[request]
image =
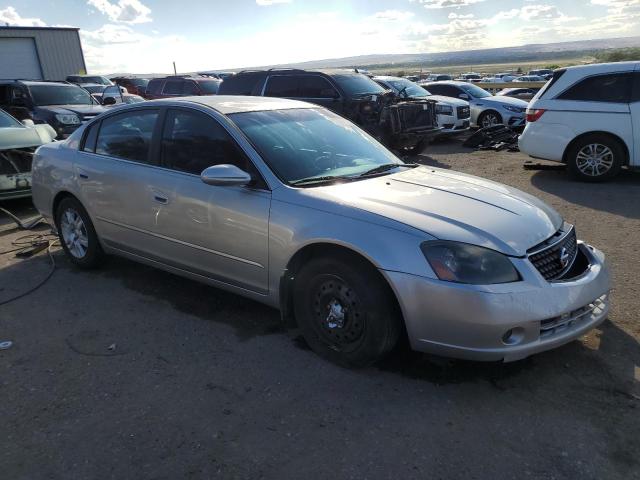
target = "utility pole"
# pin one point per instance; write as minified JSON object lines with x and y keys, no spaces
{"x":174,"y":68}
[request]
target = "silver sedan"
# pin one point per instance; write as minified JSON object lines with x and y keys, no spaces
{"x":291,"y":205}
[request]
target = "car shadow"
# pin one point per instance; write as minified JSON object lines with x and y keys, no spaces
{"x":606,"y":362}
{"x":618,"y":196}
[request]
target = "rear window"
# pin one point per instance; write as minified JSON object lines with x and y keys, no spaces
{"x":241,"y":84}
{"x":611,"y":88}
{"x":556,"y":76}
{"x":173,"y":87}
{"x":357,"y":84}
{"x":209,"y":87}
{"x":155,"y":87}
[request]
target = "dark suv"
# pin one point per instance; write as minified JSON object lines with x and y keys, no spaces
{"x":99,"y":79}
{"x":135,"y":86}
{"x":62,"y":105}
{"x":181,"y":86}
{"x":396,"y":122}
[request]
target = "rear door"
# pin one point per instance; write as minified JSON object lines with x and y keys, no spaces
{"x":115,"y":169}
{"x":598,"y":102}
{"x":634,"y":107}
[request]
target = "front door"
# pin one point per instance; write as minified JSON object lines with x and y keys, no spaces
{"x":220,"y":232}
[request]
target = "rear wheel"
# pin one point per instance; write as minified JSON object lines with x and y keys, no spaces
{"x":77,"y":234}
{"x":345,"y":311}
{"x":489,"y":118}
{"x":595,"y":158}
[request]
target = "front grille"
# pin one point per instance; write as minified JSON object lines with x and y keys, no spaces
{"x":555,"y":257}
{"x":464,"y":112}
{"x":559,"y":324}
{"x":407,"y":117}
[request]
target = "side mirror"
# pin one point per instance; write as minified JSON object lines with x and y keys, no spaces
{"x":27,"y":122}
{"x":109,"y":101}
{"x":463,"y":96}
{"x":225,"y":175}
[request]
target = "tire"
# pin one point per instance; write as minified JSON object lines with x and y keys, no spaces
{"x":77,"y":234}
{"x":345,"y":311}
{"x":419,"y":147}
{"x":595,"y":158}
{"x":490,"y":118}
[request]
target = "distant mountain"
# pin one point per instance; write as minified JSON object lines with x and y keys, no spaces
{"x":469,"y":57}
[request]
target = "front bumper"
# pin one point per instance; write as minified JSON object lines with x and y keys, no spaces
{"x":471,"y":322}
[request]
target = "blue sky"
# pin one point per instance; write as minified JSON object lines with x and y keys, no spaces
{"x":147,"y":35}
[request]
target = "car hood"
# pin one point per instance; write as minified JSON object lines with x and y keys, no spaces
{"x":26,"y":137}
{"x":452,"y":206}
{"x":77,"y":109}
{"x":456,"y":102}
{"x":502,"y":100}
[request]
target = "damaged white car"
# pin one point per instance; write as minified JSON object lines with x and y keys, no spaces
{"x":18,"y":141}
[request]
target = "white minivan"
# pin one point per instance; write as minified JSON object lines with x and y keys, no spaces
{"x":589,"y":118}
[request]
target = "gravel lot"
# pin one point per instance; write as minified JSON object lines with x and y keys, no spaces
{"x":203,"y":384}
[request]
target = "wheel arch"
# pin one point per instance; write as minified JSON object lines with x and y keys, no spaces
{"x":315,"y":250}
{"x":615,"y":137}
{"x":61,"y":195}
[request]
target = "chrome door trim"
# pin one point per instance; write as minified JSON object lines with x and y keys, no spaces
{"x":186,"y":244}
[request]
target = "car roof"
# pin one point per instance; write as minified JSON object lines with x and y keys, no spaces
{"x":604,"y":66}
{"x":37,"y":82}
{"x":228,"y":104}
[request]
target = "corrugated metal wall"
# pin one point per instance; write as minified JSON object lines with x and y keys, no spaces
{"x":59,"y":50}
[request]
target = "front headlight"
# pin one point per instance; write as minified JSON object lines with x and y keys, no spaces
{"x":514,"y":109}
{"x":465,"y":263}
{"x":68,"y":118}
{"x":444,"y":109}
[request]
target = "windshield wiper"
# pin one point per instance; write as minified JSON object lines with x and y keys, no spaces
{"x":322,"y":179}
{"x":387,"y":166}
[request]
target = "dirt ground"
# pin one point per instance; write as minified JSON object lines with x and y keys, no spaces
{"x":202,"y":384}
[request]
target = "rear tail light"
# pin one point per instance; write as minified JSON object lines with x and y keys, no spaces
{"x":533,"y":114}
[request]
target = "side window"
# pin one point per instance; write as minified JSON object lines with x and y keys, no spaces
{"x":282,"y":86}
{"x":314,"y":86}
{"x":190,"y":88}
{"x":173,"y":87}
{"x":4,"y":95}
{"x":635,"y":94}
{"x":90,"y":138}
{"x":155,"y":87}
{"x":128,"y":135}
{"x":436,"y":89}
{"x":612,"y":88}
{"x":193,"y":141}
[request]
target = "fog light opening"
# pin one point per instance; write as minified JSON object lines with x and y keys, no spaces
{"x":513,"y":336}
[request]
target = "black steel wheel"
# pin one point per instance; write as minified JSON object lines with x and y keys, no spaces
{"x":346,"y":311}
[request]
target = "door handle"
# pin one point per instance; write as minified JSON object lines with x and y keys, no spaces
{"x":160,"y":199}
{"x":82,"y":174}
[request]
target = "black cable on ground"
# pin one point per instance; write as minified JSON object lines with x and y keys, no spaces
{"x":28,"y":245}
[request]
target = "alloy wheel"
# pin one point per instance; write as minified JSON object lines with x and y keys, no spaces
{"x":489,"y":120}
{"x":74,"y":233}
{"x":594,"y":159}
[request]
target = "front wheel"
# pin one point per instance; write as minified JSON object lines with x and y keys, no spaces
{"x":595,"y":158}
{"x":345,"y":311}
{"x":489,"y":118}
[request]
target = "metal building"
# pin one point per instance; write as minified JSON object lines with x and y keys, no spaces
{"x":40,"y":53}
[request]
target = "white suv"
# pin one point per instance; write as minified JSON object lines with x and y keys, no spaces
{"x":589,"y":118}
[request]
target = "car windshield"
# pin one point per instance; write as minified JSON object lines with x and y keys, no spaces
{"x":139,"y":82}
{"x":100,"y":80}
{"x":93,"y":88}
{"x":410,"y":88}
{"x":59,"y":95}
{"x":475,"y":91}
{"x":355,"y":84}
{"x":300,"y":144}
{"x":7,"y":121}
{"x":132,"y":99}
{"x":210,"y":86}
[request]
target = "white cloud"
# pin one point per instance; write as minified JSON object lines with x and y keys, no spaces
{"x":125,"y":11}
{"x":266,"y":3}
{"x":393,"y":15}
{"x":10,"y":16}
{"x":448,"y":3}
{"x":453,"y":15}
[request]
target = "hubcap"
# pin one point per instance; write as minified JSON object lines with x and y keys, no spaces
{"x":489,"y":120}
{"x":74,"y":233}
{"x":594,"y":159}
{"x":339,"y":320}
